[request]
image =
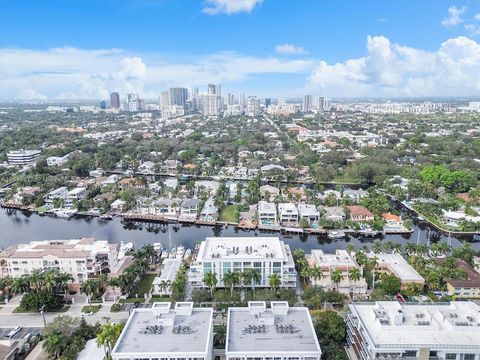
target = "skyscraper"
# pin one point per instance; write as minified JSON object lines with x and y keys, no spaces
{"x":132,"y":102}
{"x":115,"y":100}
{"x":268,"y":102}
{"x":253,"y":106}
{"x":214,"y":89}
{"x":307,"y":103}
{"x":178,"y":96}
{"x":165,"y":101}
{"x":230,"y":99}
{"x":103,"y":104}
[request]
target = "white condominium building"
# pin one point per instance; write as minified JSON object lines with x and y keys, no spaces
{"x":276,"y":333}
{"x":160,"y":332}
{"x":81,"y":258}
{"x":221,"y":255}
{"x":23,"y":157}
{"x":390,"y":330}
{"x":267,"y":213}
{"x":342,"y":261}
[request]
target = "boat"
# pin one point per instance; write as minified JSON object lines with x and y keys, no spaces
{"x":173,"y":253}
{"x":368,"y":232}
{"x":157,"y":246}
{"x":336,"y":234}
{"x":180,"y":251}
{"x":64,"y":213}
{"x":187,"y":254}
{"x":106,"y":217}
{"x":420,"y":218}
{"x":124,"y":249}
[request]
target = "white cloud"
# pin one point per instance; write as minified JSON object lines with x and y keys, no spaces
{"x":454,"y":16}
{"x":477,"y":16}
{"x":472,"y":29}
{"x":289,"y":49}
{"x":70,"y":73}
{"x":394,"y":70}
{"x":214,"y":7}
{"x":29,"y":94}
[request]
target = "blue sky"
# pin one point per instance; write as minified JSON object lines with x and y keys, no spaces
{"x":85,"y":48}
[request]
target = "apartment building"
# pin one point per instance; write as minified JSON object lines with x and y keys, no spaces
{"x":395,"y":264}
{"x":82,"y":258}
{"x":23,"y":157}
{"x":390,"y":330}
{"x":276,"y":333}
{"x":342,"y":261}
{"x":221,"y":255}
{"x":468,"y":287}
{"x":163,"y":332}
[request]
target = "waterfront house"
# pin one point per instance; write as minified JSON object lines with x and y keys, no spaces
{"x":267,"y":213}
{"x":59,"y":194}
{"x":189,"y":208}
{"x":333,"y":213}
{"x":355,"y":195}
{"x":287,"y":214}
{"x":209,"y":211}
{"x":309,"y":212}
{"x":360,"y":213}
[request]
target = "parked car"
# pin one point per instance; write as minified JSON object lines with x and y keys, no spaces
{"x":13,"y":332}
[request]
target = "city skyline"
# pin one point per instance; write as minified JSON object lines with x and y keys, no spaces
{"x":257,"y":47}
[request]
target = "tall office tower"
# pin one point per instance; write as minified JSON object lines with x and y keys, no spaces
{"x":164,"y":101}
{"x":307,"y":103}
{"x":320,"y":105}
{"x":208,"y":104}
{"x":115,"y":100}
{"x":281,"y":101}
{"x":103,"y":104}
{"x":132,"y":102}
{"x":327,"y":105}
{"x":140,"y":104}
{"x":268,"y":102}
{"x":230,"y":99}
{"x":241,"y":102}
{"x":178,"y":96}
{"x":253,"y":106}
{"x":214,"y":89}
{"x":194,"y":92}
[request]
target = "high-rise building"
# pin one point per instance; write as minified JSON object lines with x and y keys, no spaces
{"x":230,"y":99}
{"x":253,"y":106}
{"x":209,"y":104}
{"x":164,"y":101}
{"x":178,"y":96}
{"x":214,"y":89}
{"x":307,"y":103}
{"x":268,"y":102}
{"x":115,"y":100}
{"x":132,"y":104}
{"x":140,"y":104}
{"x":241,"y":102}
{"x":103,"y":104}
{"x":322,"y":104}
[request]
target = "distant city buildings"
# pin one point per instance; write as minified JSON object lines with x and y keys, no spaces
{"x":115,"y":100}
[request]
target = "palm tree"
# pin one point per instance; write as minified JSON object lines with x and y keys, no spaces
{"x":305,"y":273}
{"x":108,"y":336}
{"x":274,"y":281}
{"x":210,"y":280}
{"x":350,"y":248}
{"x":253,"y":276}
{"x":354,"y":274}
{"x":316,"y":273}
{"x":230,"y":279}
{"x":377,"y":247}
{"x":19,"y":285}
{"x":89,"y":287}
{"x":372,"y":264}
{"x":220,"y":334}
{"x":49,"y":281}
{"x":336,"y":277}
{"x":165,"y":285}
{"x":54,"y":344}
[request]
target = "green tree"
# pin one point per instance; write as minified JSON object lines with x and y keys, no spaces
{"x":336,"y":277}
{"x":108,"y":336}
{"x":210,"y":280}
{"x":275,"y":282}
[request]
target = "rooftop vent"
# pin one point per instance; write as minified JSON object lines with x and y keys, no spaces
{"x":286,"y":329}
{"x":152,"y":330}
{"x":255,"y":329}
{"x":182,"y":330}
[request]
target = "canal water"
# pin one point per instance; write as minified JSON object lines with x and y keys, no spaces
{"x":21,"y":227}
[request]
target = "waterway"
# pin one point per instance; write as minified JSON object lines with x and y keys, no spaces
{"x":21,"y":227}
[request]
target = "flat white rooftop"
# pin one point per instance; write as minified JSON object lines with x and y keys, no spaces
{"x":279,"y":329}
{"x":161,"y":330}
{"x":341,"y":258}
{"x":169,"y":270}
{"x":266,"y":207}
{"x":391,"y":324}
{"x":398,"y":265}
{"x":242,"y":248}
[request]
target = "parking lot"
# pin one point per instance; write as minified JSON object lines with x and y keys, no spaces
{"x":23,"y":331}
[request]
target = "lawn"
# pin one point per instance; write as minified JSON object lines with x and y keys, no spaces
{"x":144,"y":285}
{"x":229,"y":213}
{"x":94,"y":308}
{"x":131,"y":300}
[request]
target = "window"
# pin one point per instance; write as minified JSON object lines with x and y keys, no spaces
{"x":451,"y":357}
{"x":469,"y":357}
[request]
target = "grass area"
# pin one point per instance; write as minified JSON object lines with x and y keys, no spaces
{"x":229,"y":213}
{"x":19,"y":310}
{"x":144,"y":285}
{"x":115,"y":308}
{"x":94,"y":308}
